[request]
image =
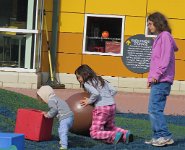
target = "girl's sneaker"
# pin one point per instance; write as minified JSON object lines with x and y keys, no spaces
{"x":162,"y":141}
{"x":117,"y":137}
{"x":151,"y":141}
{"x":128,"y":137}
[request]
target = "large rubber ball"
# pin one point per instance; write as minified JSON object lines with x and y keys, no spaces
{"x":82,"y":115}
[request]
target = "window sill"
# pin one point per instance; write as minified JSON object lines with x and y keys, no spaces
{"x":9,"y":69}
{"x":105,"y":54}
{"x":100,"y":38}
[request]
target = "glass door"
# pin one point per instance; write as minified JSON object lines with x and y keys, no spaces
{"x":38,"y":36}
{"x":20,"y":25}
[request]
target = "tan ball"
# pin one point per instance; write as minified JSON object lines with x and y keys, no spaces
{"x":82,"y":115}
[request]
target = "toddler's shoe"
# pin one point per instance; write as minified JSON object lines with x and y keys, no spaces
{"x":62,"y":148}
{"x":128,"y":137}
{"x":118,"y":136}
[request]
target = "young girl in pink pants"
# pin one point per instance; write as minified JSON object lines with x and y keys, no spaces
{"x":102,"y":97}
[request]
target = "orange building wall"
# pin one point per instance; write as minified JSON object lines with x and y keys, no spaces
{"x":71,"y":28}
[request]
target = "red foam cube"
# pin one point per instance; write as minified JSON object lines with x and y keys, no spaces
{"x":33,"y":125}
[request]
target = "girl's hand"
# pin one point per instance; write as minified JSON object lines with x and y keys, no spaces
{"x":84,"y":102}
{"x":154,"y":80}
{"x":148,"y":85}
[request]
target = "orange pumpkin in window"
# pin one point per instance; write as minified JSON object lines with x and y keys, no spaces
{"x":105,"y":34}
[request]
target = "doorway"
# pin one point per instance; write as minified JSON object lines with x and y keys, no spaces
{"x":20,"y":23}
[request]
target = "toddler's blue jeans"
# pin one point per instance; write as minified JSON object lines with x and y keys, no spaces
{"x":63,"y":130}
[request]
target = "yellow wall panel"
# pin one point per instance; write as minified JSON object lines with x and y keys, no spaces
{"x":44,"y":62}
{"x":108,"y":65}
{"x":48,"y":5}
{"x":180,"y":54}
{"x":134,"y":25}
{"x":67,"y":63}
{"x":44,"y":57}
{"x":179,"y":74}
{"x":126,"y":37}
{"x":70,"y":42}
{"x":73,"y":6}
{"x":177,"y":26}
{"x":44,"y":41}
{"x":145,"y":75}
{"x":119,"y":7}
{"x":48,"y":21}
{"x":171,"y":8}
{"x":71,"y":22}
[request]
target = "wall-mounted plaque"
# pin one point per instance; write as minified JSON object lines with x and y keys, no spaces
{"x":137,"y":52}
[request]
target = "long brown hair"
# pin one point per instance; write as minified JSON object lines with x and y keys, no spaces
{"x":89,"y":76}
{"x":160,"y":22}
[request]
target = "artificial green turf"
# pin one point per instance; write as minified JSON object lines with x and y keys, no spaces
{"x":10,"y":102}
{"x":142,"y":129}
{"x":13,"y":101}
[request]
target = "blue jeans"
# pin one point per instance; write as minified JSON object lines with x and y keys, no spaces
{"x":157,"y":102}
{"x":63,"y":129}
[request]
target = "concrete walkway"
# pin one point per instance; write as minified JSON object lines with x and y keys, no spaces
{"x":126,"y":102}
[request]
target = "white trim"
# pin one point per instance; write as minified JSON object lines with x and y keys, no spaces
{"x":9,"y":69}
{"x":35,"y":37}
{"x":122,"y":34}
{"x":105,"y":16}
{"x":39,"y":35}
{"x":34,"y":53}
{"x":84,"y":36}
{"x":36,"y":17}
{"x":105,"y":54}
{"x":19,"y":30}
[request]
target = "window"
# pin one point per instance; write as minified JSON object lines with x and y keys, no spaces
{"x":13,"y":13}
{"x":103,"y":35}
{"x":20,"y":23}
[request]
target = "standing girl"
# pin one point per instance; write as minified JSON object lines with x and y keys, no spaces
{"x":160,"y":78}
{"x":102,"y":96}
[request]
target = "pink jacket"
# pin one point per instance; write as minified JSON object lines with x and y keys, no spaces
{"x":162,"y":65}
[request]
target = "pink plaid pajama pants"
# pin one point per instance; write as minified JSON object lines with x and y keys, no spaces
{"x":103,"y":124}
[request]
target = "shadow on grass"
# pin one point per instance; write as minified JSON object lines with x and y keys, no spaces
{"x":81,"y":141}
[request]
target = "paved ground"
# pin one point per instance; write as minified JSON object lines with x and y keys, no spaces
{"x":126,"y":102}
